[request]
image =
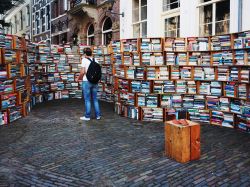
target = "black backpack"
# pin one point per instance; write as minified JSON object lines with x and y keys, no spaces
{"x":94,"y":72}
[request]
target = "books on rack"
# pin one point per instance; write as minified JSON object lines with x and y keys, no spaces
{"x":152,"y":114}
{"x":166,"y":101}
{"x":198,"y":44}
{"x":163,"y":73}
{"x":170,"y":58}
{"x":3,"y":118}
{"x":222,"y":42}
{"x":245,"y":75}
{"x":179,"y":44}
{"x":228,"y":120}
{"x":130,"y":45}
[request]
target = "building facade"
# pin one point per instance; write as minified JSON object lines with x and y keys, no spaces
{"x":41,"y":20}
{"x":19,"y":18}
{"x":182,"y":18}
{"x":90,"y":21}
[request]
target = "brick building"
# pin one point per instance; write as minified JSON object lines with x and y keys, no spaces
{"x":91,"y":23}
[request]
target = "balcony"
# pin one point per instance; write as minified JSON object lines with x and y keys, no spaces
{"x":81,"y":7}
{"x":76,"y":5}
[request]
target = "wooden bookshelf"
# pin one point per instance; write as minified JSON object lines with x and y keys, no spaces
{"x":202,"y":74}
{"x":204,"y":79}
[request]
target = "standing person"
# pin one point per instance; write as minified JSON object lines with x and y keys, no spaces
{"x":89,"y":89}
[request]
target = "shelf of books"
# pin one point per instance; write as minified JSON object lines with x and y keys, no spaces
{"x":33,"y":73}
{"x":56,"y":69}
{"x":205,"y":79}
{"x":106,"y":87}
{"x":14,"y":79}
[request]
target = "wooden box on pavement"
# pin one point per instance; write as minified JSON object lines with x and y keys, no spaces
{"x":182,"y":140}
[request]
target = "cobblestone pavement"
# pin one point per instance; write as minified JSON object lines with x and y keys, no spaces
{"x":52,"y":147}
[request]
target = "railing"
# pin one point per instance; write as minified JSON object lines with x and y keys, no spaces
{"x":75,"y":3}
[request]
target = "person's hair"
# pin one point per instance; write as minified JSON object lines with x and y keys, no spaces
{"x":88,"y":51}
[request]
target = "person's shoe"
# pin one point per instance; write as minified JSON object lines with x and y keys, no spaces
{"x":98,"y":118}
{"x":84,"y":118}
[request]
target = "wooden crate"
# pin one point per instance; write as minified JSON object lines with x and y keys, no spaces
{"x":182,"y":142}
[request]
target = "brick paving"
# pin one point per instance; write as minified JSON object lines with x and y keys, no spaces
{"x":52,"y":147}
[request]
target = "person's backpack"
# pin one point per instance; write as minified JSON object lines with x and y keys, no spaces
{"x":94,"y":72}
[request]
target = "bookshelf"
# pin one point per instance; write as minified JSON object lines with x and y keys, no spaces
{"x":204,"y":79}
{"x":14,"y":78}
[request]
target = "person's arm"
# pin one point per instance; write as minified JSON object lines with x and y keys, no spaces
{"x":82,"y":73}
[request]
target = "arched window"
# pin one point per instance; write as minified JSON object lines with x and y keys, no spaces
{"x":90,"y":35}
{"x":107,"y":31}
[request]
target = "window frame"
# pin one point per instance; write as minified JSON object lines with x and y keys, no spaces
{"x":169,"y":17}
{"x":37,"y":22}
{"x":106,"y":31}
{"x":47,"y":17}
{"x":167,"y":4}
{"x":90,"y":36}
{"x":28,"y":15}
{"x":15,"y":19}
{"x":201,"y":14}
{"x":21,"y":20}
{"x":65,"y":5}
{"x":43,"y":19}
{"x":140,"y":22}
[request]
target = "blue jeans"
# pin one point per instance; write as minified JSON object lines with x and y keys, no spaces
{"x":90,"y":90}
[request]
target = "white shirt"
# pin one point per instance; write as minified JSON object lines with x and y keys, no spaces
{"x":85,"y":64}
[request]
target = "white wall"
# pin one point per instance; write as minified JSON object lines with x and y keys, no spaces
{"x":126,"y":29}
{"x":245,"y":15}
{"x":9,"y":17}
{"x":189,"y":19}
{"x":234,"y":16}
{"x":154,"y":9}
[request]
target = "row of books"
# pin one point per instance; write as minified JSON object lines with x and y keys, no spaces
{"x":225,"y":73}
{"x":214,"y":88}
{"x":199,"y":115}
{"x":224,"y":58}
{"x":185,"y":101}
{"x":223,"y":42}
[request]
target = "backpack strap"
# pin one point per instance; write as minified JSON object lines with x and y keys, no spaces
{"x":91,"y":60}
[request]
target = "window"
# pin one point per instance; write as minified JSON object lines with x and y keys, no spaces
{"x":63,"y":38}
{"x":11,"y":26}
{"x":28,"y":15}
{"x":170,"y":4}
{"x":37,"y":23}
{"x":172,"y":27}
{"x":55,"y":39}
{"x":15,"y":24}
{"x":107,"y":31}
{"x":90,"y":36}
{"x":43,"y":19}
{"x":56,"y":9}
{"x":65,"y":4}
{"x":214,"y":17}
{"x":140,"y":18}
{"x":48,"y":17}
{"x":21,"y":20}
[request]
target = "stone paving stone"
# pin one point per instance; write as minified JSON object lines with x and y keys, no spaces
{"x":188,"y":182}
{"x":52,"y":147}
